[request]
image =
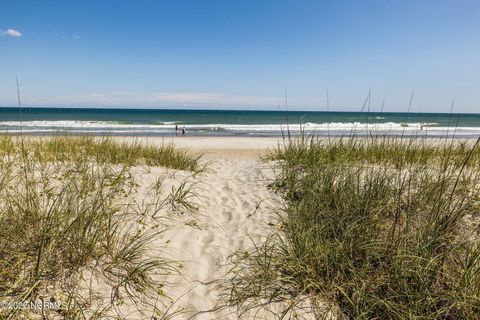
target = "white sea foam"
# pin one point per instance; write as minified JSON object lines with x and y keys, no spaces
{"x":169,"y":122}
{"x":166,"y":127}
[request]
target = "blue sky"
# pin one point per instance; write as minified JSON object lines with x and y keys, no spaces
{"x":241,"y":54}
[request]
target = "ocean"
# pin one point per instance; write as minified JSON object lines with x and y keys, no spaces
{"x":148,"y":122}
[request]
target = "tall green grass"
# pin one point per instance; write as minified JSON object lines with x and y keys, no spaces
{"x":71,"y":228}
{"x":372,"y":228}
{"x":103,"y":150}
{"x":375,"y":150}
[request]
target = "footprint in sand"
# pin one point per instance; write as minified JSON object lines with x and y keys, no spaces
{"x":227,"y":215}
{"x":208,"y":239}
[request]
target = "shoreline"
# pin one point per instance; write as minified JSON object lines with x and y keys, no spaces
{"x":294,"y":134}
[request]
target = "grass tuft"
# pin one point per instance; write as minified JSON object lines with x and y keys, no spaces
{"x":72,"y":229}
{"x":103,"y":150}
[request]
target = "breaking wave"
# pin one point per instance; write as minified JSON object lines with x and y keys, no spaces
{"x":164,"y":128}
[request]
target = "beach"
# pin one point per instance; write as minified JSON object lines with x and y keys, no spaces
{"x":239,"y":160}
{"x":189,"y":227}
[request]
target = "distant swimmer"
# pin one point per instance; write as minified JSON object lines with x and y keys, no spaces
{"x":183,"y":131}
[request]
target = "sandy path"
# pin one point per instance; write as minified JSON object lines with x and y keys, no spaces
{"x":235,"y":206}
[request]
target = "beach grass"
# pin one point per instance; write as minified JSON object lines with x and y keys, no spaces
{"x":71,"y":228}
{"x":372,"y":228}
{"x":103,"y":150}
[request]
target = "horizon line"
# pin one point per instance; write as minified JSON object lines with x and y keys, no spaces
{"x":230,"y":110}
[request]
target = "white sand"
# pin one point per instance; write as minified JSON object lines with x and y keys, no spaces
{"x":235,"y":208}
{"x":216,"y":146}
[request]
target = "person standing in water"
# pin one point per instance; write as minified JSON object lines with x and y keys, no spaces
{"x":183,"y":131}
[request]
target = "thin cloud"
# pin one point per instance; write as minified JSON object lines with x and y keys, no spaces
{"x":11,"y":32}
{"x":160,"y":99}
